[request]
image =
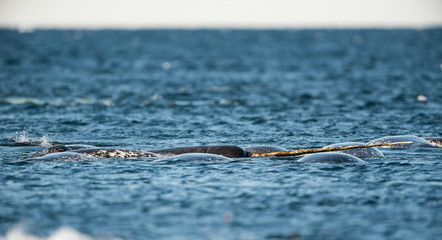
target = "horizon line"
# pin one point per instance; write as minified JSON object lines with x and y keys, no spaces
{"x":29,"y":28}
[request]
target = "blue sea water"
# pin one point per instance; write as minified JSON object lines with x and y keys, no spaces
{"x":152,"y":89}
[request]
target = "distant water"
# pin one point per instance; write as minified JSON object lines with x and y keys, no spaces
{"x":157,"y":89}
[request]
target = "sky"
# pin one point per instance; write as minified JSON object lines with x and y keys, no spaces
{"x":30,"y":14}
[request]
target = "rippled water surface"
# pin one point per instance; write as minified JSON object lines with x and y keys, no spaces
{"x":166,"y":88}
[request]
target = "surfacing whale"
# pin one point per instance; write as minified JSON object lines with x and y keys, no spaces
{"x":435,"y":140}
{"x":204,"y":157}
{"x":65,"y":148}
{"x":358,"y":152}
{"x":230,"y":151}
{"x":416,"y":142}
{"x":263,"y":149}
{"x":99,"y":152}
{"x":330,"y":157}
{"x":114,"y":153}
{"x":61,"y":157}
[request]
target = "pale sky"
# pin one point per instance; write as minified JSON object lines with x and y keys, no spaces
{"x":220,"y":13}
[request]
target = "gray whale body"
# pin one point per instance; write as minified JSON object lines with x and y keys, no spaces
{"x":329,"y":157}
{"x":205,"y":157}
{"x":65,"y":148}
{"x":62,"y":157}
{"x":114,"y":153}
{"x":416,"y":142}
{"x":99,"y":152}
{"x":358,"y":152}
{"x":263,"y":149}
{"x":230,"y":151}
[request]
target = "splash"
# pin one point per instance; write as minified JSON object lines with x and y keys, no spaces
{"x":22,"y":138}
{"x":45,"y":142}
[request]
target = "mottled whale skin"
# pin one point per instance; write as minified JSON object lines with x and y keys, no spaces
{"x":435,"y":140}
{"x":204,"y":157}
{"x":358,"y":152}
{"x":114,"y":153}
{"x":416,"y":142}
{"x":62,"y":157}
{"x":330,"y":157}
{"x":230,"y":151}
{"x":263,"y":149}
{"x":99,"y":152}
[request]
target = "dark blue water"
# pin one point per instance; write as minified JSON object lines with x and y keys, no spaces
{"x":167,"y":88}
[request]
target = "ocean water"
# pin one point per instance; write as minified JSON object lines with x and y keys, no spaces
{"x":152,"y":89}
